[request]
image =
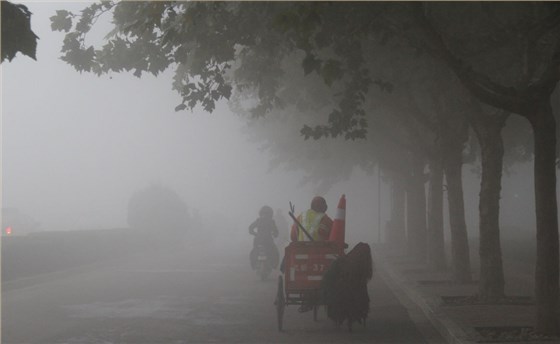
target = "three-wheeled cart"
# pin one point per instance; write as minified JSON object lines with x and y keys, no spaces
{"x":305,"y":263}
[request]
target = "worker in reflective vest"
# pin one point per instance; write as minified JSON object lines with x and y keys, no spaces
{"x":315,"y":221}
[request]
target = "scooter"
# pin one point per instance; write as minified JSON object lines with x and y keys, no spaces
{"x":263,"y":263}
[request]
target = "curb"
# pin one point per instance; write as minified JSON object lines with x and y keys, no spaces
{"x":412,"y":300}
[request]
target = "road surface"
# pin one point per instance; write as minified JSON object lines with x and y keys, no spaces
{"x":185,"y":296}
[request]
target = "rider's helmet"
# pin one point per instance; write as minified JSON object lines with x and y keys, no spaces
{"x":319,"y":204}
{"x":266,"y":211}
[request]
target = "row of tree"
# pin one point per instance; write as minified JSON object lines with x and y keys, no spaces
{"x":409,"y":77}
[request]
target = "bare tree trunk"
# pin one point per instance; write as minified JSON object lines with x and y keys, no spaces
{"x":416,"y":211}
{"x":460,"y":259}
{"x":488,"y":130}
{"x":436,"y":247}
{"x":396,"y":235}
{"x":546,"y":272}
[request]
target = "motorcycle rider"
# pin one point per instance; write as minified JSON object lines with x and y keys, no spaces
{"x":264,"y":229}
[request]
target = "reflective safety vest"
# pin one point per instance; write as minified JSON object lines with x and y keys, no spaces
{"x":311,"y":221}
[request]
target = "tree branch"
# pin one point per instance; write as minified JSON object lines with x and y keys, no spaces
{"x":480,"y":85}
{"x":550,"y":77}
{"x":544,"y":26}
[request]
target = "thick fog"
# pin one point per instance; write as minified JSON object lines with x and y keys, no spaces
{"x":76,"y":147}
{"x":124,"y":220}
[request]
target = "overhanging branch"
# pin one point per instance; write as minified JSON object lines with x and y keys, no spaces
{"x":480,"y":85}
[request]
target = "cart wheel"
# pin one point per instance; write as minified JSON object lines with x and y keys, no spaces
{"x":315,"y":311}
{"x":280,"y":302}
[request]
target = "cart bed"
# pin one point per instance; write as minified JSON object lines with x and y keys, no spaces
{"x":306,"y":262}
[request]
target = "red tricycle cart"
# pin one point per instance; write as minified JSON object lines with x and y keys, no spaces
{"x":305,"y":263}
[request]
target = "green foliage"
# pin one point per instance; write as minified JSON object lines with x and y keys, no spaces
{"x":362,"y":52}
{"x":332,"y":71}
{"x":17,"y":35}
{"x":255,"y":51}
{"x":348,"y":118}
{"x":311,"y":64}
{"x":153,"y":36}
{"x":508,"y":42}
{"x":62,"y":21}
{"x":219,"y":48}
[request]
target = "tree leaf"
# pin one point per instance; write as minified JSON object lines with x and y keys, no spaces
{"x":331,"y":71}
{"x":310,"y":63}
{"x":62,"y":21}
{"x":17,"y":35}
{"x":180,"y":107}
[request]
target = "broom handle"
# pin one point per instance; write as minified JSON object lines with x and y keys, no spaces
{"x":291,"y":213}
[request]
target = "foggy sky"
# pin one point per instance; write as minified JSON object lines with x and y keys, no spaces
{"x":75,"y":147}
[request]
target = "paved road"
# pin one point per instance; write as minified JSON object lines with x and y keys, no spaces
{"x":177,"y":297}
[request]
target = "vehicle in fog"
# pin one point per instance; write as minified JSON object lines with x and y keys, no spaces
{"x":15,"y":222}
{"x":263,"y":264}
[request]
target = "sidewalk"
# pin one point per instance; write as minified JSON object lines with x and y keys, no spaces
{"x":446,"y":305}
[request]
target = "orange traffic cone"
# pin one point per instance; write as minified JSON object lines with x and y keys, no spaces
{"x":339,"y":223}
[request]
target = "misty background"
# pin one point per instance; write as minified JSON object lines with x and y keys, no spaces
{"x":76,"y":147}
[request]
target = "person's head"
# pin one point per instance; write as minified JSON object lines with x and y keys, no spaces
{"x":319,"y":204}
{"x":266,"y":211}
